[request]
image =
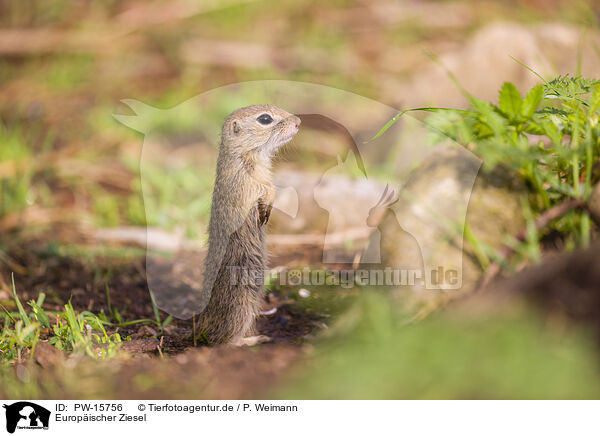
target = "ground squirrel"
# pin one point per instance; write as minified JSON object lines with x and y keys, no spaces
{"x":242,"y":200}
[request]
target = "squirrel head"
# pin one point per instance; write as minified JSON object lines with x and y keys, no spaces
{"x":260,"y":130}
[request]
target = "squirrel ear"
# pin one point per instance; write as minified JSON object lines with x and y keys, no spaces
{"x":235,"y":127}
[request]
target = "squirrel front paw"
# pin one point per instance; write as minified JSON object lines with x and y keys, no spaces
{"x":264,"y":212}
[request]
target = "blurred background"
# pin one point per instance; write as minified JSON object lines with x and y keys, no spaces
{"x":65,"y":66}
{"x":71,"y":202}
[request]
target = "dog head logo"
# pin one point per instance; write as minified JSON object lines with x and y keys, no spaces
{"x":26,"y":415}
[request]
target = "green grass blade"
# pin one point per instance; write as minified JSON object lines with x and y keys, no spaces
{"x":22,"y":312}
{"x":155,"y":309}
{"x":391,"y":122}
{"x":7,"y":312}
{"x":73,"y":323}
{"x":168,"y":320}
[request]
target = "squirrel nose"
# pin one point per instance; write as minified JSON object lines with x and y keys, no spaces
{"x":296,"y":121}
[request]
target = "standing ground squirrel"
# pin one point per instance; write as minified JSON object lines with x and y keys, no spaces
{"x":242,"y":201}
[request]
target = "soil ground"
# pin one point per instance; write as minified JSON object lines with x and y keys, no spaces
{"x":168,"y":356}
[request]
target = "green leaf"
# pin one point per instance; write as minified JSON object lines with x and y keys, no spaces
{"x":40,"y":314}
{"x":535,"y":129}
{"x":532,"y":101}
{"x":552,"y":132}
{"x":490,"y":117}
{"x":510,"y":100}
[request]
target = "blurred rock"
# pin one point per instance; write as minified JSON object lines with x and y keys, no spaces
{"x":428,"y":220}
{"x":47,"y":355}
{"x":484,"y":62}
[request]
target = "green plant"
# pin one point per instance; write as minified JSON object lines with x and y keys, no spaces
{"x":83,"y":332}
{"x":550,"y":139}
{"x":69,"y":331}
{"x":19,"y":332}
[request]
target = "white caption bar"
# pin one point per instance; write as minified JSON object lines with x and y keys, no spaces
{"x":301,"y":417}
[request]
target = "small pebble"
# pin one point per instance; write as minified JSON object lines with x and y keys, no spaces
{"x":181,"y":359}
{"x":23,"y":373}
{"x":304,"y":293}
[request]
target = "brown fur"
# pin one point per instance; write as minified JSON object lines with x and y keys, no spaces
{"x":242,"y":199}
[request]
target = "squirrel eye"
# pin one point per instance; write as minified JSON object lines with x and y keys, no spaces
{"x":265,"y":119}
